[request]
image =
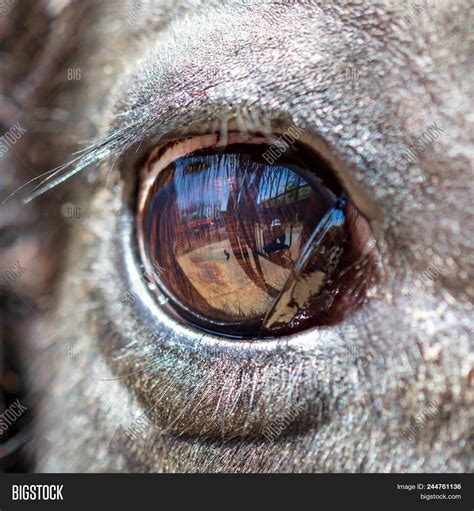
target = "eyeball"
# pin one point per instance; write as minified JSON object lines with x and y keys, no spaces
{"x":248,"y":247}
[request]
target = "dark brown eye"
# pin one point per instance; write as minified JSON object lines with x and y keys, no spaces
{"x":246,"y":248}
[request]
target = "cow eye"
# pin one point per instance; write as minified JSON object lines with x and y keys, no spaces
{"x":245,"y":240}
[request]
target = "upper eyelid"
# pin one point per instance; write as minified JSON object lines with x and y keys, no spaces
{"x":188,"y":123}
{"x":188,"y":115}
{"x":196,"y":121}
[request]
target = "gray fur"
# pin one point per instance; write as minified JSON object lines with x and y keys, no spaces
{"x":263,"y":66}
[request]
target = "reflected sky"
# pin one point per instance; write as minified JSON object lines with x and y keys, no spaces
{"x":216,"y":177}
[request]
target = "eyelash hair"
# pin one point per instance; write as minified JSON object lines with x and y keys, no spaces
{"x":116,"y":143}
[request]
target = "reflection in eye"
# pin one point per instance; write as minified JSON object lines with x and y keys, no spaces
{"x":251,"y":249}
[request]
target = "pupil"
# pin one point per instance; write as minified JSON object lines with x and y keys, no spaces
{"x":226,"y":230}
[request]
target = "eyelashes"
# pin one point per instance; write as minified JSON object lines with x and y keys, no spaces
{"x":130,"y":129}
{"x":247,"y":249}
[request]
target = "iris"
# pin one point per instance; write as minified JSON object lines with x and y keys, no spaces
{"x":246,"y":248}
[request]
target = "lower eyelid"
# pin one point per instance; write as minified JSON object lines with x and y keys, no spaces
{"x":179,"y":363}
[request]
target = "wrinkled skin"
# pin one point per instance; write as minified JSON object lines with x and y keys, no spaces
{"x":95,"y":362}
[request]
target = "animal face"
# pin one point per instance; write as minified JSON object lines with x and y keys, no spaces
{"x":380,"y":91}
